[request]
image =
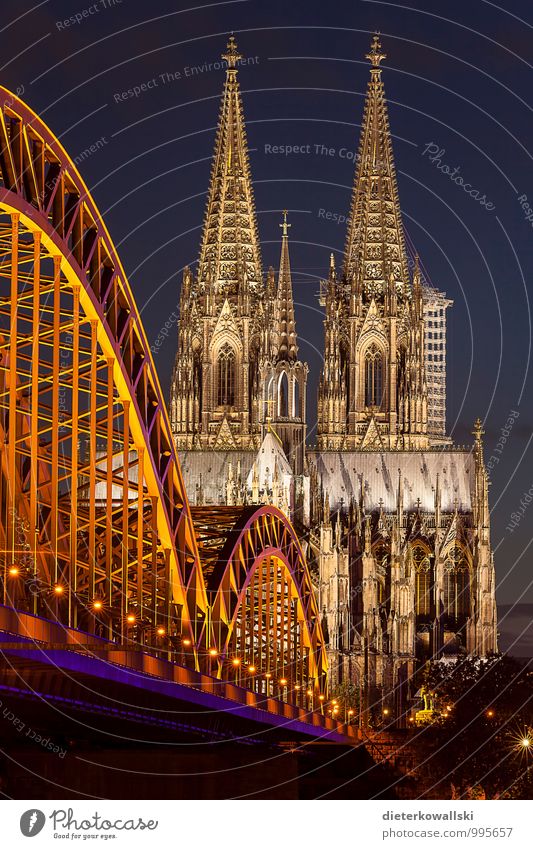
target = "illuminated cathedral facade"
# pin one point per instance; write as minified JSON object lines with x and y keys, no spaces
{"x":394,"y":518}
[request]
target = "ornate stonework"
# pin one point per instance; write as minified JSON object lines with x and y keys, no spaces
{"x":395,"y":518}
{"x":400,"y":525}
{"x":374,"y":367}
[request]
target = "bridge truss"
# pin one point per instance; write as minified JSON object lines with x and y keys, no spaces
{"x":95,"y":529}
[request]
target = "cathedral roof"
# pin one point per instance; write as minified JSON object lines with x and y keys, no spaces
{"x":270,"y":460}
{"x":375,"y":251}
{"x":344,"y":473}
{"x":230,"y":246}
{"x":210,"y":470}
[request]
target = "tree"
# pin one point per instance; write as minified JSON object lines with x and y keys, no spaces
{"x":484,"y":731}
{"x":347,"y":696}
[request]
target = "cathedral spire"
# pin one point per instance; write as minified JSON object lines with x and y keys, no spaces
{"x":286,"y":325}
{"x":230,"y":244}
{"x":375,"y":246}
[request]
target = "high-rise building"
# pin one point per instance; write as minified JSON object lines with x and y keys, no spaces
{"x":435,"y":304}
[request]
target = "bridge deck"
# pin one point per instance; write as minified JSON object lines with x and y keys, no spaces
{"x":29,"y":643}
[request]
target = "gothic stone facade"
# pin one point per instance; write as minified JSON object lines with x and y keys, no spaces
{"x":396,"y":517}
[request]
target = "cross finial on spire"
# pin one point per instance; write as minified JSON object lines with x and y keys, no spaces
{"x":285,"y":226}
{"x":232,"y":54}
{"x":375,"y":55}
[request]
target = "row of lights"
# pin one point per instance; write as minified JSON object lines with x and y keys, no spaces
{"x":252,"y":669}
{"x":335,"y":708}
{"x":130,"y":618}
{"x":59,"y":589}
{"x":97,"y":604}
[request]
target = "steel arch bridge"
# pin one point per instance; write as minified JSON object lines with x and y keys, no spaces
{"x":96,"y":533}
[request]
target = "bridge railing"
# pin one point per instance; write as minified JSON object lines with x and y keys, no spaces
{"x":22,"y":632}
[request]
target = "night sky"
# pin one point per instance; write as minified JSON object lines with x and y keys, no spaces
{"x":458,"y":77}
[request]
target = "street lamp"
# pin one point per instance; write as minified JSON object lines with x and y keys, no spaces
{"x":523,"y":742}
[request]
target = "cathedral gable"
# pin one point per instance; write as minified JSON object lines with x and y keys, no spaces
{"x":227,"y":325}
{"x":373,"y":330}
{"x":224,"y":438}
{"x":372,"y":440}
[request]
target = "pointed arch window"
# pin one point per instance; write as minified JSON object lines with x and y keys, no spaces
{"x":226,"y":376}
{"x":456,"y":588}
{"x":296,"y":399}
{"x":423,"y":581}
{"x":283,"y":401}
{"x":373,"y":377}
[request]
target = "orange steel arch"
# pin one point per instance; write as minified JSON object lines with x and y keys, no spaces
{"x":265,"y":619}
{"x":79,"y":386}
{"x":95,"y":528}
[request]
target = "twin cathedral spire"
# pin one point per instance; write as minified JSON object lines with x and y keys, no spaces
{"x":404,"y":572}
{"x":237,"y":372}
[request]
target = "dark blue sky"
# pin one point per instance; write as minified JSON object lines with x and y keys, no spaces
{"x":458,"y":76}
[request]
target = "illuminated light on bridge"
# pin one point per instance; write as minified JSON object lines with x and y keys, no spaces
{"x":93,"y":511}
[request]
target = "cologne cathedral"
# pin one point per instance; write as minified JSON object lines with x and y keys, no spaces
{"x":394,"y":518}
